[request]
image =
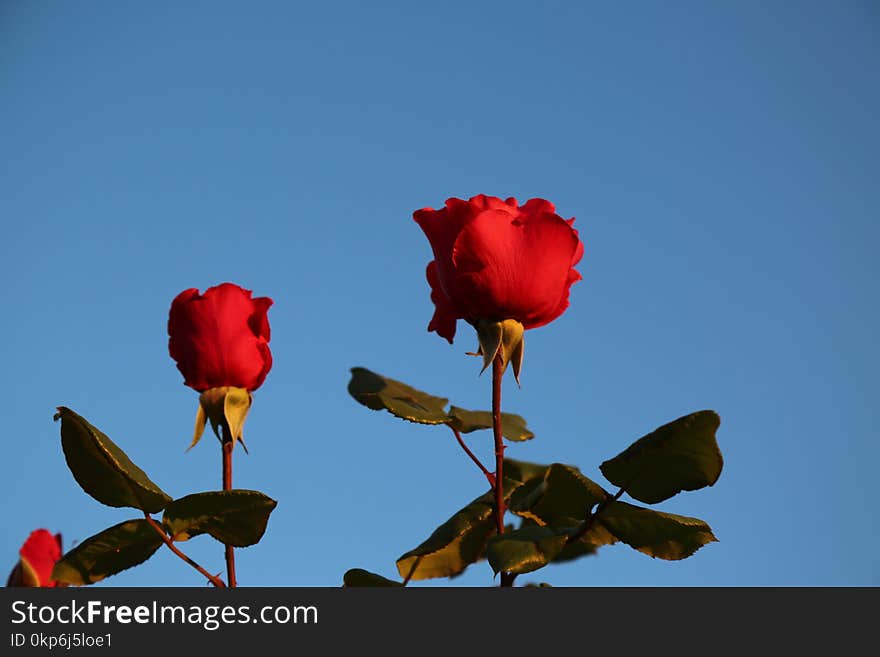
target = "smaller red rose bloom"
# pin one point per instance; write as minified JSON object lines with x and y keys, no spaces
{"x":38,"y":556}
{"x":220,"y":338}
{"x":495,"y":260}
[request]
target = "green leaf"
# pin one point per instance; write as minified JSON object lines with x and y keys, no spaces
{"x":587,"y":544}
{"x":233,"y":517}
{"x":376,"y":392}
{"x":662,"y":535}
{"x":522,"y":471}
{"x":527,"y":549}
{"x":454,"y":545}
{"x":513,"y":427}
{"x":458,"y":542}
{"x":103,"y":470}
{"x":113,"y":550}
{"x":462,"y":539}
{"x":561,"y":500}
{"x":581,"y":548}
{"x":361,"y":577}
{"x":681,"y":455}
{"x":563,"y":497}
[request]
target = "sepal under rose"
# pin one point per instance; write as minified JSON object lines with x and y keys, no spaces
{"x":495,"y":259}
{"x":224,"y":406}
{"x":505,"y":338}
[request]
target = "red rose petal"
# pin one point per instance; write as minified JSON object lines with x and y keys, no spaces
{"x":496,"y":260}
{"x":41,"y":551}
{"x":220,"y":338}
{"x":444,"y":318}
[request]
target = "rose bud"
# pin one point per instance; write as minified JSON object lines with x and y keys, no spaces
{"x":220,"y":341}
{"x":37,"y":557}
{"x":502,"y":267}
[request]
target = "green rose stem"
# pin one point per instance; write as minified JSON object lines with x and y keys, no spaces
{"x":497,"y":372}
{"x":228,"y":445}
{"x":216,"y":581}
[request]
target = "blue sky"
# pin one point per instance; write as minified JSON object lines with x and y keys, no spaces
{"x":721,"y":160}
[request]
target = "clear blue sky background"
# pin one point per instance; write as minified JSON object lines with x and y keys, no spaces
{"x":721,"y":160}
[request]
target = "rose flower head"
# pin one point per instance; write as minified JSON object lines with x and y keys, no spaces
{"x":220,"y":338}
{"x":502,"y":267}
{"x":220,"y":341}
{"x":37,"y":558}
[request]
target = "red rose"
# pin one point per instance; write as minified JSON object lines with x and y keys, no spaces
{"x":37,"y":559}
{"x":220,"y":338}
{"x":494,"y":260}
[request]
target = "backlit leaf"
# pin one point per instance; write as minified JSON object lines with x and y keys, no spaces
{"x":681,"y":455}
{"x":377,"y":392}
{"x":454,"y":545}
{"x":361,"y":577}
{"x":662,"y":535}
{"x":527,"y":549}
{"x":586,"y":544}
{"x":113,"y":550}
{"x":458,"y":542}
{"x":103,"y":470}
{"x":563,"y":497}
{"x":233,"y":517}
{"x":523,"y":471}
{"x":513,"y":427}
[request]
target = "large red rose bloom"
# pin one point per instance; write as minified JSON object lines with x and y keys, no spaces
{"x":497,"y":260}
{"x":220,"y":338}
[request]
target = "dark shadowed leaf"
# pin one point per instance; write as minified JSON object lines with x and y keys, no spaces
{"x":587,"y":544}
{"x":681,"y":455}
{"x":361,"y":577}
{"x":577,"y":549}
{"x":522,"y":471}
{"x":562,"y":498}
{"x":454,"y":545}
{"x":527,"y":549}
{"x":103,"y":470}
{"x":377,"y":392}
{"x":458,"y":542}
{"x":662,"y":535}
{"x":233,"y":517}
{"x":112,"y":551}
{"x":513,"y":427}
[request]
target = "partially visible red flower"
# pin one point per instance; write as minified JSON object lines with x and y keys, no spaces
{"x":496,"y":260}
{"x":220,"y":338}
{"x":38,"y":556}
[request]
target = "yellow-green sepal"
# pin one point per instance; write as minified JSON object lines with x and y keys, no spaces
{"x":503,"y":337}
{"x":201,"y":421}
{"x":224,"y":406}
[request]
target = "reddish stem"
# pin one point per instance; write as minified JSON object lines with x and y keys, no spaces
{"x":591,"y":518}
{"x":228,"y":445}
{"x":480,"y":465}
{"x":497,"y":372}
{"x":216,"y":581}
